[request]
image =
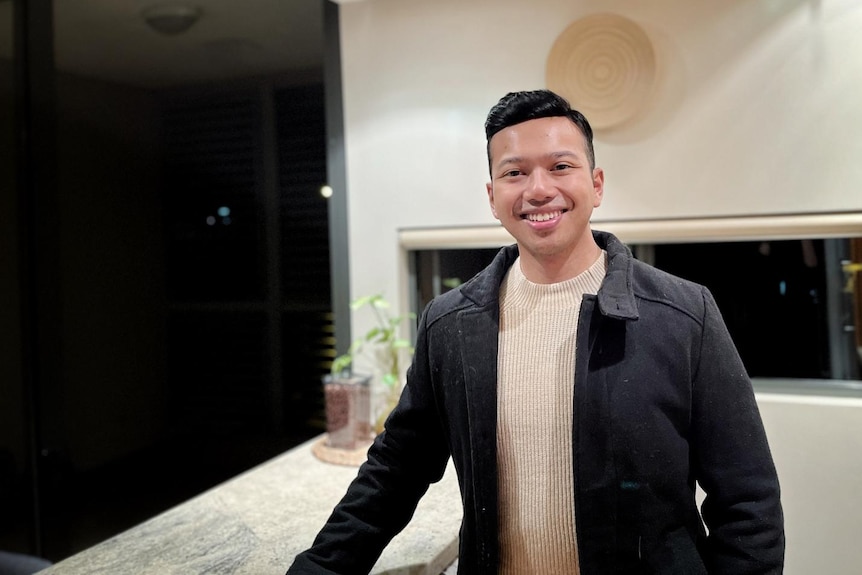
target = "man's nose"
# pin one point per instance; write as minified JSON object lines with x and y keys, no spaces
{"x":539,"y":188}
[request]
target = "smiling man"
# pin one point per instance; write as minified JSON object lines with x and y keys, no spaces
{"x":543,"y":189}
{"x":580,"y":393}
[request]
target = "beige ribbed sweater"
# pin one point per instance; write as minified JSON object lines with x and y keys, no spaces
{"x":535,"y":394}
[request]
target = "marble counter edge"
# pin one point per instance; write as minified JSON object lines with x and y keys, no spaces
{"x":258,"y":521}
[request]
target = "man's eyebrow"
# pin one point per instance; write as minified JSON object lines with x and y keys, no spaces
{"x":510,"y":160}
{"x":551,"y":155}
{"x":563,"y":154}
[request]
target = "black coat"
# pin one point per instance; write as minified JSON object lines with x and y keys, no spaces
{"x":661,"y":400}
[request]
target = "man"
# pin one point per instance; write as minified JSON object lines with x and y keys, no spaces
{"x":579,"y":392}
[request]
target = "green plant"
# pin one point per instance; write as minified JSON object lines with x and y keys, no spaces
{"x":383,"y":338}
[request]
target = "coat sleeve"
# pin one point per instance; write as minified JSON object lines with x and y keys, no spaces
{"x":409,"y":455}
{"x":732,"y":461}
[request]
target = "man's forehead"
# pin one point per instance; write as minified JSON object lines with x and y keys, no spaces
{"x":510,"y":136}
{"x":552,"y":123}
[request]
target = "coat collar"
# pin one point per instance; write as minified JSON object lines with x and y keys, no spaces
{"x":616,"y":297}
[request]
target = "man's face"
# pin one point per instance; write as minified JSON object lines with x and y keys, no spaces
{"x":542,"y":188}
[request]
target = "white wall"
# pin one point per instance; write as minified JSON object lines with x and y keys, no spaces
{"x":756,"y":113}
{"x":816,"y":444}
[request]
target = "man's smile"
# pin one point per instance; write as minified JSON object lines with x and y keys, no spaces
{"x":543,"y":219}
{"x":543,"y":216}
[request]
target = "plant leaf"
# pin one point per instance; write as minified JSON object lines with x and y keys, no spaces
{"x":372,"y":333}
{"x":361,"y":301}
{"x":340,"y":364}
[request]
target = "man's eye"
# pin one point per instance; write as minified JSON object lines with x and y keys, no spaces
{"x":562,"y":167}
{"x":512,"y":173}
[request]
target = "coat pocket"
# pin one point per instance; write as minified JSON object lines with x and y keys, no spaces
{"x":674,"y":553}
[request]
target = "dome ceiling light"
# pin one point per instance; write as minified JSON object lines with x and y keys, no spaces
{"x":171,"y":19}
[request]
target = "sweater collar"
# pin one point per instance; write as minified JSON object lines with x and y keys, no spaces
{"x":616,"y":297}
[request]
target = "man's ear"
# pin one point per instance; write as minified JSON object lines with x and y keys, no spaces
{"x":598,"y":186}
{"x":490,"y":188}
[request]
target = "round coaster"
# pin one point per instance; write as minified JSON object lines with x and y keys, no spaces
{"x":605,"y":65}
{"x":350,"y":457}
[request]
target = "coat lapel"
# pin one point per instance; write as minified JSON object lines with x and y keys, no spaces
{"x":478,"y":330}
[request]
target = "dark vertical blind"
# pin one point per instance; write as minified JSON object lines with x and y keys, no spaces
{"x":235,"y":315}
{"x":212,"y":198}
{"x":301,"y":173}
{"x":305,"y":266}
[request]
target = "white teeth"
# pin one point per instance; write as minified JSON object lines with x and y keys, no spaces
{"x":543,"y":217}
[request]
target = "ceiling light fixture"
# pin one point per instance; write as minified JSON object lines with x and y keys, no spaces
{"x":171,"y":19}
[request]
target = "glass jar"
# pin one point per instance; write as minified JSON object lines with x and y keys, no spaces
{"x":348,"y":410}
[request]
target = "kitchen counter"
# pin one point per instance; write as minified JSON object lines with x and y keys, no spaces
{"x":259,"y":521}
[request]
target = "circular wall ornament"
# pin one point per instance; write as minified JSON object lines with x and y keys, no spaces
{"x":605,"y":65}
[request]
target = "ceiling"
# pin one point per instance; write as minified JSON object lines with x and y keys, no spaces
{"x":110,"y":40}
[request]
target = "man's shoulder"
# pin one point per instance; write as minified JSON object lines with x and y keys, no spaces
{"x":479,"y":292}
{"x":467,"y":296}
{"x":448,"y":304}
{"x":650,"y":284}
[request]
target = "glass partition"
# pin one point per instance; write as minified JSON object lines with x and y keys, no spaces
{"x":14,"y":496}
{"x":165,"y":288}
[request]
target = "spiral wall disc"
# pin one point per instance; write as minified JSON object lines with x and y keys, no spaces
{"x":605,"y":65}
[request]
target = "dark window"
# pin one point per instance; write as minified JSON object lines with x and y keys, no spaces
{"x":772,"y":295}
{"x":789,"y":304}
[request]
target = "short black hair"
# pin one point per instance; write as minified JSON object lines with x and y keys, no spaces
{"x":517,"y":107}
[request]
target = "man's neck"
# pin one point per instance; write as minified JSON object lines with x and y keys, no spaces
{"x":555,"y":268}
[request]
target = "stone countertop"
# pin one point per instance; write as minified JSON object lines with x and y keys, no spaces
{"x":259,"y":521}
